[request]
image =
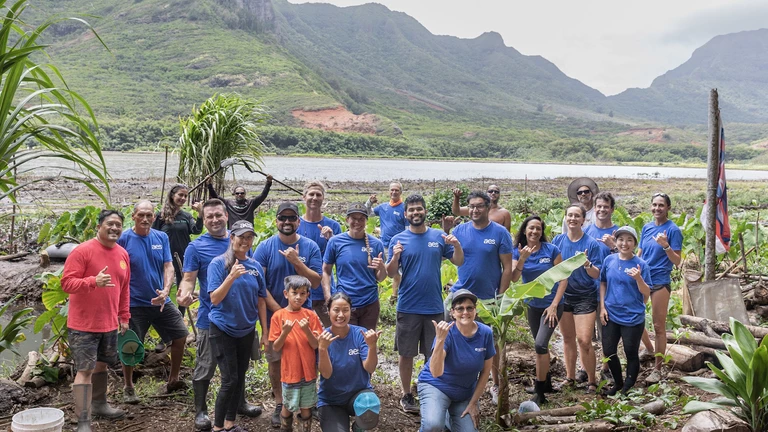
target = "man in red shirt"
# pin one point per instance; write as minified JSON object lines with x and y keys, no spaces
{"x":96,"y":276}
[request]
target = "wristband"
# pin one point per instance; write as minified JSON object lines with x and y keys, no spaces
{"x":666,"y":248}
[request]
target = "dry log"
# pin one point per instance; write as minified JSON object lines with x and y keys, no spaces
{"x":593,"y":426}
{"x":695,"y":338}
{"x":555,"y":412}
{"x":721,"y":327}
{"x":14,"y":256}
{"x":685,"y":358}
{"x":32,"y":359}
{"x":552,"y":420}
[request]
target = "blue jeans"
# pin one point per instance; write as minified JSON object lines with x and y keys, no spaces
{"x":438,"y":411}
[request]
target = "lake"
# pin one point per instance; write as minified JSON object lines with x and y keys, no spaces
{"x":150,"y":165}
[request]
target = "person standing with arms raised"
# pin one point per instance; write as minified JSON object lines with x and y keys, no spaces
{"x":487,"y":268}
{"x":285,"y":254}
{"x":392,"y":220}
{"x":241,"y":208}
{"x":319,"y":229}
{"x":418,"y":253}
{"x":496,"y":213}
{"x":97,"y":278}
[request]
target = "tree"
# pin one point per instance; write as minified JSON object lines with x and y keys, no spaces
{"x":39,"y":117}
{"x":223,"y":127}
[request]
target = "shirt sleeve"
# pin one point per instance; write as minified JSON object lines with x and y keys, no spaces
{"x":378,"y":248}
{"x":361,"y":346}
{"x":604,"y":269}
{"x":448,"y":250}
{"x":515,"y":254}
{"x":330,"y":252}
{"x":195,"y":225}
{"x":594,"y":254}
{"x":166,"y":248}
{"x":315,"y":260}
{"x":490,"y":346}
{"x":124,"y":307}
{"x":261,"y":255}
{"x":336,"y":228}
{"x":506,"y":241}
{"x":216,"y":274}
{"x":158,"y":223}
{"x":212,"y":192}
{"x":73,"y":280}
{"x":314,"y":322}
{"x":676,"y":239}
{"x":645,"y":271}
{"x":262,"y":292}
{"x":275,"y":327}
{"x":191,"y":259}
{"x":376,"y":210}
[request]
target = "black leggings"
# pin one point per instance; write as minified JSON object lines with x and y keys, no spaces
{"x":335,"y":418}
{"x":540,"y":329}
{"x":233,"y":356}
{"x":630,"y":336}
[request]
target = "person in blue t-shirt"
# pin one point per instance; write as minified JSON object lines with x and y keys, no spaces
{"x":347,"y":356}
{"x":417,"y":255}
{"x":581,"y":298}
{"x":452,"y":381}
{"x":359,"y":261}
{"x":661,"y":242}
{"x":238,"y":299}
{"x":319,"y":229}
{"x":623,"y":293}
{"x":391,"y":219}
{"x":285,"y":254}
{"x":197,"y":259}
{"x":487,"y":268}
{"x":151,"y":278}
{"x":535,"y":255}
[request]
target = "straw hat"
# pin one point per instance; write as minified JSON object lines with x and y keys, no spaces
{"x":579,"y":182}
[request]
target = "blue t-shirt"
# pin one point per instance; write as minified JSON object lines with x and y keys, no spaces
{"x":197,"y":258}
{"x":653,"y":253}
{"x":311,"y":231}
{"x":277,"y":267}
{"x":536,"y":264}
{"x":597,"y":234}
{"x":349,"y":376}
{"x":481,"y":271}
{"x":421,"y":290}
{"x":579,"y":282}
{"x":237,"y":314}
{"x":464,"y":359}
{"x":623,"y":300}
{"x":391,"y":219}
{"x":353,"y":276}
{"x":148,"y":255}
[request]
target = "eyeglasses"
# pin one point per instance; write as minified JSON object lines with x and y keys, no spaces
{"x":462,"y":309}
{"x":287,"y":218}
{"x":583,"y":192}
{"x":477,"y":207}
{"x":239,"y":193}
{"x":493,"y":191}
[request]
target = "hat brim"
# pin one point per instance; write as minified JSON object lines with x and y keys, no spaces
{"x":463,"y":296}
{"x":351,"y":212}
{"x":579,"y":182}
{"x":240,"y":231}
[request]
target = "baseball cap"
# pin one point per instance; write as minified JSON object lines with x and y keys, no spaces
{"x":367,"y":406}
{"x":287,"y":206}
{"x":463,"y":294}
{"x":241,"y":227}
{"x":131,"y":350}
{"x":626,"y":229}
{"x":357,"y":208}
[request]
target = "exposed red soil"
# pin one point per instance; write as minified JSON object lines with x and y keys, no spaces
{"x":337,"y":119}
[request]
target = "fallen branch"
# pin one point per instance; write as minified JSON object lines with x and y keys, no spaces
{"x":593,"y":426}
{"x":14,"y":256}
{"x":695,"y":338}
{"x":554,"y":412}
{"x":736,"y":263}
{"x":720,"y":327}
{"x":32,"y":359}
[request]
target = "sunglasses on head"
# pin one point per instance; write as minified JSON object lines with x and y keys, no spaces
{"x":493,"y":191}
{"x":660,"y":194}
{"x":283,"y":218}
{"x":584,"y":192}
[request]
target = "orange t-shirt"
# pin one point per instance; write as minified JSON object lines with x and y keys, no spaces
{"x":298,"y":360}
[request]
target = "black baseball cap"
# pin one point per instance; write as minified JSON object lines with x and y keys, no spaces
{"x":241,"y":227}
{"x":357,"y":208}
{"x":287,"y":206}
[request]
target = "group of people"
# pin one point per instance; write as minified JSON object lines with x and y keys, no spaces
{"x":314,"y":291}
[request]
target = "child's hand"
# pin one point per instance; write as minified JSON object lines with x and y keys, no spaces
{"x":304,"y":324}
{"x":288,"y":326}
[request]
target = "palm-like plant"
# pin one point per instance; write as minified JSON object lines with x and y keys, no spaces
{"x":224,"y":126}
{"x":38,"y":117}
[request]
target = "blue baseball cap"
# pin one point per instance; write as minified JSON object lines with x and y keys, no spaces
{"x":367,"y":406}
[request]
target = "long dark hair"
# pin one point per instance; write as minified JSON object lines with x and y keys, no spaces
{"x":170,"y":209}
{"x":338,"y":295}
{"x":229,"y":255}
{"x":520,"y":238}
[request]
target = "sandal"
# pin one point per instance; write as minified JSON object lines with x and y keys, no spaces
{"x":567,"y":383}
{"x":591,"y":388}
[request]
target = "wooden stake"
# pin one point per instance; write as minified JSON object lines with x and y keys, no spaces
{"x":713,"y":163}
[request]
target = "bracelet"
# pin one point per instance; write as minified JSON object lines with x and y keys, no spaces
{"x":518,"y":269}
{"x":589,"y":266}
{"x":666,"y":248}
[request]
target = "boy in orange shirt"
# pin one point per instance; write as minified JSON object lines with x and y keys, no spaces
{"x":298,"y":345}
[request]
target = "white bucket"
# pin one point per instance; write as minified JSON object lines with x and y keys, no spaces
{"x":39,"y":420}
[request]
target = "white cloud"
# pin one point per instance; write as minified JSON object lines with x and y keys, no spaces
{"x":607,"y":44}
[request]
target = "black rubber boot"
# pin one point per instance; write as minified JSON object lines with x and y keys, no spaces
{"x":200,"y":389}
{"x":539,"y":398}
{"x":247,"y":409}
{"x":548,"y":384}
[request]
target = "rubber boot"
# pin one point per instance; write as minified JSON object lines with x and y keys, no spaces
{"x":82,"y":396}
{"x":548,"y":384}
{"x":539,"y":398}
{"x":305,"y":423}
{"x":99,"y":405}
{"x":286,"y":423}
{"x":247,"y":409}
{"x":200,"y":390}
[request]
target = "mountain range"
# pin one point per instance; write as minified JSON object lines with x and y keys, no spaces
{"x":165,"y":56}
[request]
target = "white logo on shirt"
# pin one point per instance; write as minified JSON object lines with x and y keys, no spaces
{"x":544,"y":260}
{"x":253,"y":272}
{"x":433,"y":244}
{"x":366,"y":250}
{"x":396,"y":213}
{"x":480,"y":349}
{"x":489,"y":241}
{"x":627,"y":270}
{"x":354,"y":351}
{"x":157,"y":247}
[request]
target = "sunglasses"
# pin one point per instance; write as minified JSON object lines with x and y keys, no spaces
{"x":583,"y":192}
{"x":493,"y":191}
{"x":660,"y":194}
{"x":462,"y":309}
{"x":239,"y":193}
{"x":287,"y":218}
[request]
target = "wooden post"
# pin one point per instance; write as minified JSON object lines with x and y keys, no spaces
{"x":713,"y":163}
{"x":165,"y":169}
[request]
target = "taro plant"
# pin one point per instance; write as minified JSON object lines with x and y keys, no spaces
{"x":742,"y":383}
{"x":56,"y":304}
{"x":11,"y":333}
{"x":499,"y":313}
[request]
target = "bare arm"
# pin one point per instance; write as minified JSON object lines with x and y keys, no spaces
{"x":506,"y":272}
{"x":326,"y":280}
{"x":324,"y":363}
{"x":458,"y":255}
{"x":169,"y":277}
{"x":271,"y":303}
{"x":456,"y":208}
{"x":262,"y":306}
{"x":186,"y":288}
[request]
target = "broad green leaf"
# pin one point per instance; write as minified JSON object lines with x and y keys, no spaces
{"x":759,"y":373}
{"x":744,"y":338}
{"x":693,"y":407}
{"x":44,"y":318}
{"x":53,"y":297}
{"x":45,"y":231}
{"x":710,"y":385}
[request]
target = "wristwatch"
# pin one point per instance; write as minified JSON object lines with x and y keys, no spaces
{"x":666,"y":248}
{"x":588,"y":266}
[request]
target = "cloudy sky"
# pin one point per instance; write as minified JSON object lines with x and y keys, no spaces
{"x":607,"y":44}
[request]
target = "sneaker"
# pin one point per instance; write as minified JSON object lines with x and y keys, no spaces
{"x":160,"y":347}
{"x":581,"y":376}
{"x":275,"y":420}
{"x":129,"y":396}
{"x":606,"y":375}
{"x":495,"y":394}
{"x":654,"y":377}
{"x":408,"y":404}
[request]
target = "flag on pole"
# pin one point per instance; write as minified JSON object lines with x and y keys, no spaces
{"x":722,"y":226}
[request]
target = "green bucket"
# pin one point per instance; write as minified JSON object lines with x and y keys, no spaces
{"x":130,"y":348}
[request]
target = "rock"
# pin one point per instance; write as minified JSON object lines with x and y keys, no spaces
{"x":717,"y":420}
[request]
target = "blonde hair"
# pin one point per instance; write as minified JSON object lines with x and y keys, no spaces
{"x":314,"y":184}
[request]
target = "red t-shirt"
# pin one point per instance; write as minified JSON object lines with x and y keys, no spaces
{"x":298,"y":360}
{"x":91,"y":308}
